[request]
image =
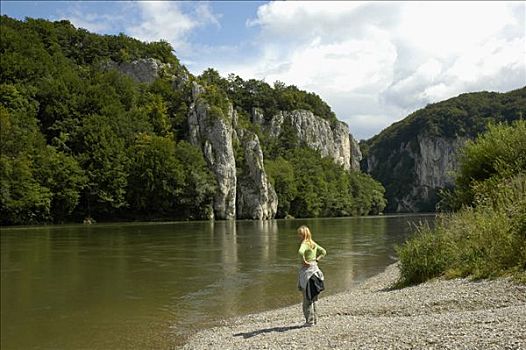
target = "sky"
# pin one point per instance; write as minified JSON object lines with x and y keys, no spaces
{"x":374,"y":63}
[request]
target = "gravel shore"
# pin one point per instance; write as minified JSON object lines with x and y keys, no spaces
{"x":440,"y":314}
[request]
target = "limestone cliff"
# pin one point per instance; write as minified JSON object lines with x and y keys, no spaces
{"x":214,"y":136}
{"x":356,"y":154}
{"x":436,"y":161}
{"x":256,"y":198}
{"x":247,"y":195}
{"x":416,"y":171}
{"x":331,"y":140}
{"x":243,"y":188}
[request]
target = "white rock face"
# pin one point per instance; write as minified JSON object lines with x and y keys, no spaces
{"x":249,"y":197}
{"x":214,"y":136}
{"x":146,"y":70}
{"x":356,"y":153}
{"x":437,"y":161}
{"x":333,"y":141}
{"x":434,"y":167}
{"x":256,"y":198}
{"x":434,"y":160}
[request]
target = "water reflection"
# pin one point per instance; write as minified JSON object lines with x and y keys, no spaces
{"x":149,"y":285}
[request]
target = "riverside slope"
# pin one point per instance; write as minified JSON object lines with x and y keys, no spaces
{"x":440,"y":314}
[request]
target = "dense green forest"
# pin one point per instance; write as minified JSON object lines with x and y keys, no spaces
{"x":464,"y":116}
{"x":78,"y":140}
{"x":486,"y":237}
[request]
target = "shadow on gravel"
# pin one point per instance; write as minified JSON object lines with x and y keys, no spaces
{"x":267,"y":330}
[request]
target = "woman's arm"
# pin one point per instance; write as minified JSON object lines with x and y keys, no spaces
{"x":322,"y":252}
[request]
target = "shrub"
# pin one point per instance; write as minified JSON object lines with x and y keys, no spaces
{"x":423,"y":257}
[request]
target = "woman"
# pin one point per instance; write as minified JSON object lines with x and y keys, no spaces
{"x":310,"y":280}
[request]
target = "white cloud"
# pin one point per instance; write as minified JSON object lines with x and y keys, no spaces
{"x":173,"y":21}
{"x":387,"y":59}
{"x":91,"y":21}
{"x":162,"y":20}
{"x":411,"y":89}
{"x":442,"y":28}
{"x":206,"y":16}
{"x":363,"y":112}
{"x":339,"y":67}
{"x":297,"y":21}
{"x":167,"y":21}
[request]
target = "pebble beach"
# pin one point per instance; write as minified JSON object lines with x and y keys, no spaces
{"x":439,"y":314}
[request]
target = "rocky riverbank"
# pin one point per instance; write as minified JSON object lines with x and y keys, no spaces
{"x":440,"y":314}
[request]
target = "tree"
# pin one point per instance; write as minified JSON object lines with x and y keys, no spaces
{"x":156,"y":176}
{"x":497,"y":154}
{"x":63,"y":176}
{"x":281,"y":175}
{"x":23,"y":199}
{"x":199,"y":185}
{"x":105,"y":161}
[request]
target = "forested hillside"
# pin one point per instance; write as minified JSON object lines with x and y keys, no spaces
{"x":415,"y":158}
{"x":79,"y":139}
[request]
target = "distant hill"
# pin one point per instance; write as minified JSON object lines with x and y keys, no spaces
{"x":414,"y":157}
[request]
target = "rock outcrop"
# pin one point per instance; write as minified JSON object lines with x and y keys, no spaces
{"x":356,"y":154}
{"x":249,"y":195}
{"x":331,"y":140}
{"x":417,"y":170}
{"x":214,"y":136}
{"x":147,"y":70}
{"x":436,"y":161}
{"x":144,"y":70}
{"x":256,"y":198}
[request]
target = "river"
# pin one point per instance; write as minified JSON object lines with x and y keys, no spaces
{"x":150,"y":285}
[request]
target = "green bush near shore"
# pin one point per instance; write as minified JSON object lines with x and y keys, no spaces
{"x":487,"y":237}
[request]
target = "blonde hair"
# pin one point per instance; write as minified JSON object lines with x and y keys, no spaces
{"x":307,"y":236}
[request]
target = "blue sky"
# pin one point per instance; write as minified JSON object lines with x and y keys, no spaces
{"x":373,"y":62}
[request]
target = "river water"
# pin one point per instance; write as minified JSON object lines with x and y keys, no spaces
{"x":150,"y":285}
